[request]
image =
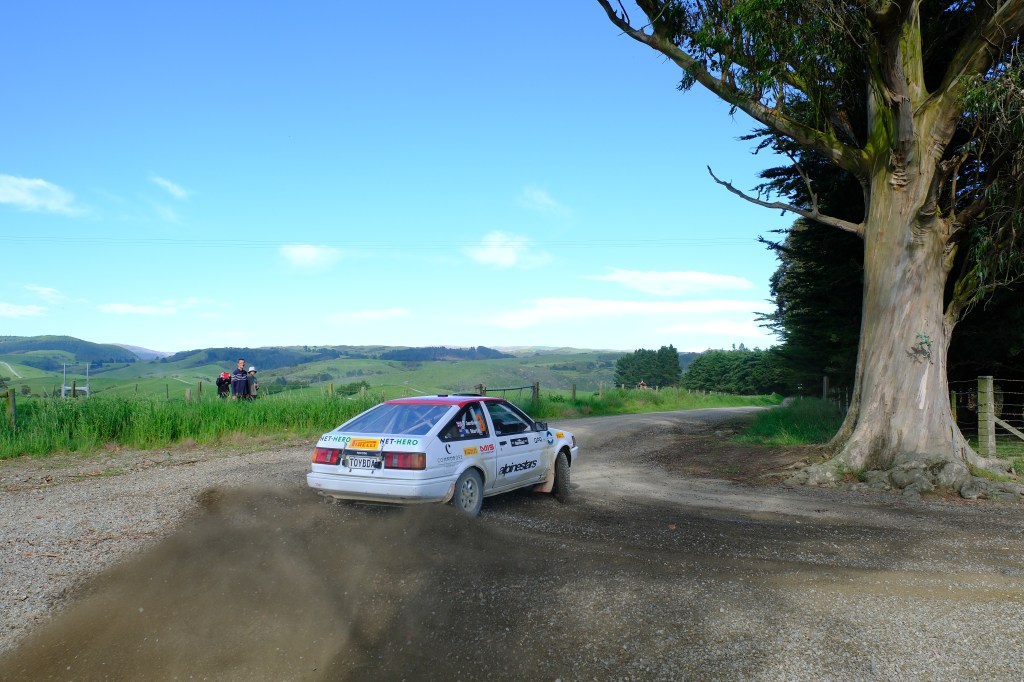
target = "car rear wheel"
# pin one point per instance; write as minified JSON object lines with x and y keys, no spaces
{"x":560,"y":488}
{"x":469,"y":493}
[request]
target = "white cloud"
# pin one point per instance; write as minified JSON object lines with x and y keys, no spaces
{"x":48,"y":294}
{"x":505,"y":251}
{"x":673,"y":283}
{"x":129,"y":309}
{"x":742,"y":328}
{"x":547,"y":311}
{"x":176,"y":191}
{"x":31,"y":194}
{"x":309,"y":255}
{"x":11,"y":310}
{"x":536,"y":199}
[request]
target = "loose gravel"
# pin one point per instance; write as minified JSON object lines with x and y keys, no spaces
{"x":202,"y":564}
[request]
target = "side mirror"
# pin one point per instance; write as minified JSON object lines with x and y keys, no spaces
{"x":540,"y":426}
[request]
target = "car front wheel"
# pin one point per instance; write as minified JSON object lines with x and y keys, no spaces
{"x":560,"y":489}
{"x":469,"y":493}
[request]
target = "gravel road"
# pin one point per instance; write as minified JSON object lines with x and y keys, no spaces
{"x":221,"y":565}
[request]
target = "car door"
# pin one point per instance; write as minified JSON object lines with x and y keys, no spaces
{"x":521,"y":450}
{"x":469,"y":434}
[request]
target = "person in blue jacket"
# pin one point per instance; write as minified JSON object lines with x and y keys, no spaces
{"x":240,"y":381}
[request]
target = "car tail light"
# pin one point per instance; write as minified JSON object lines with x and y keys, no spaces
{"x":405,"y":460}
{"x":326,"y":456}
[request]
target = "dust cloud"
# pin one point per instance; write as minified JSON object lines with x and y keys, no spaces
{"x":265,"y":585}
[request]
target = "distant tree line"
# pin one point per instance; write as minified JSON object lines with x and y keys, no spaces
{"x":438,"y":353}
{"x":262,"y":358}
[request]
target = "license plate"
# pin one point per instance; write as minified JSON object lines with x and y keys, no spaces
{"x":363,"y":462}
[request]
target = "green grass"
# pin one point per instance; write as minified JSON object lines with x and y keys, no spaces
{"x":805,"y":421}
{"x":46,"y":426}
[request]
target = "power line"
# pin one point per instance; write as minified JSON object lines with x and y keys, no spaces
{"x":361,"y":245}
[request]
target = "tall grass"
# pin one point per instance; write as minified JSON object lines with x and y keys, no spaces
{"x":83,"y":425}
{"x":47,"y":425}
{"x":805,"y":421}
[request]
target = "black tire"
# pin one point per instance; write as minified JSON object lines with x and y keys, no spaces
{"x":469,"y":493}
{"x":560,"y":489}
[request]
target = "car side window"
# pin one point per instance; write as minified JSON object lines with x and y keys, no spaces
{"x":468,"y":424}
{"x":505,"y":420}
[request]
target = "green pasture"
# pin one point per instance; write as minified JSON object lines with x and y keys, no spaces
{"x":155,"y":379}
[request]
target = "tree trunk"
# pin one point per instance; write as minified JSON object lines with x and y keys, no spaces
{"x":900,"y":418}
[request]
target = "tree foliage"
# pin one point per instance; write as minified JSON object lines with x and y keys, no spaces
{"x":739,"y":371}
{"x":654,"y":368}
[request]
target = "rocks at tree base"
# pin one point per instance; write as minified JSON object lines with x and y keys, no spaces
{"x":911,"y":479}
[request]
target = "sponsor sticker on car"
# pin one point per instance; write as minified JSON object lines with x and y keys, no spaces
{"x":520,"y":441}
{"x":518,"y":466}
{"x":467,"y":452}
{"x":364,"y":444}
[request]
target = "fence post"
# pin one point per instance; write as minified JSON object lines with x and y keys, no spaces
{"x":74,"y":388}
{"x":824,"y":388}
{"x":200,"y":391}
{"x":330,"y":389}
{"x":480,"y":389}
{"x":986,"y":418}
{"x":11,"y":410}
{"x":536,"y":392}
{"x":952,"y":403}
{"x":574,"y":392}
{"x":188,"y":395}
{"x":600,"y":390}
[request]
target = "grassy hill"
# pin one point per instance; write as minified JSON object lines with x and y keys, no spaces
{"x":36,"y":365}
{"x":46,"y":351}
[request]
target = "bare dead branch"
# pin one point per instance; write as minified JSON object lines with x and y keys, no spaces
{"x":855,"y":228}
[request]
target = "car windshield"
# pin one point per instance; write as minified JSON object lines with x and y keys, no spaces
{"x":414,"y":420}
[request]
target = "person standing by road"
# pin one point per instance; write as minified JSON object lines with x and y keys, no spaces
{"x":239,"y":381}
{"x":223,"y":385}
{"x":251,"y":385}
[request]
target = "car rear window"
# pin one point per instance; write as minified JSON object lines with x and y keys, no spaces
{"x":414,"y":420}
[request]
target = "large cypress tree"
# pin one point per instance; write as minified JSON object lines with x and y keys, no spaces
{"x":922,"y":104}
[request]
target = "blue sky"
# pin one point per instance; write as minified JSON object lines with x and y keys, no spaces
{"x":186,"y":175}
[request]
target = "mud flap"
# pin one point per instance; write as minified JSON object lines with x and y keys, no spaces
{"x":451,"y":493}
{"x":548,"y":484}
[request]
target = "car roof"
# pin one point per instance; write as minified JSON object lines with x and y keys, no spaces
{"x":454,"y":399}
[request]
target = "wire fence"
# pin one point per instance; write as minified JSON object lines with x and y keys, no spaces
{"x":982,"y":417}
{"x":992,"y":416}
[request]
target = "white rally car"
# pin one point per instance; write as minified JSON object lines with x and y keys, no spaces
{"x":442,"y":448}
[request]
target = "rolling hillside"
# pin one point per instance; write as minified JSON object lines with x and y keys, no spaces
{"x":36,"y":366}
